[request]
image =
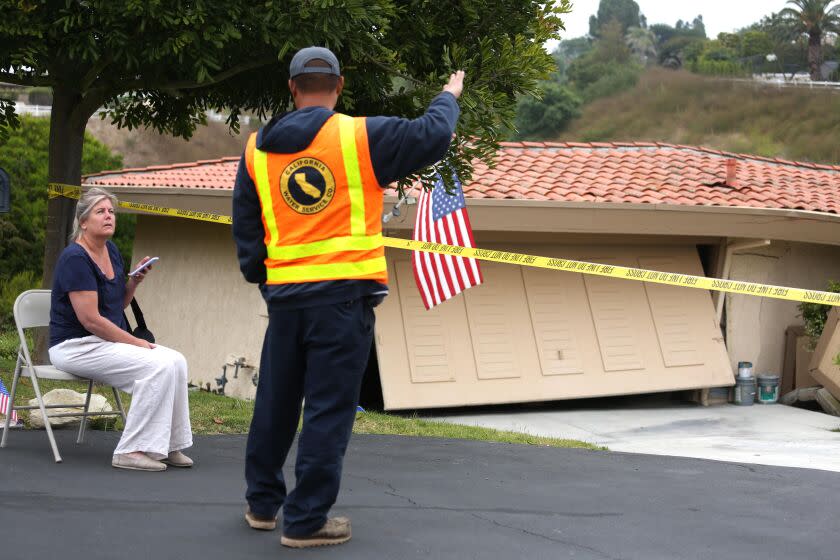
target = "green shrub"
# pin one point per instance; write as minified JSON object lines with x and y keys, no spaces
{"x":619,"y":79}
{"x":712,"y":67}
{"x":815,"y":315}
{"x":538,"y":119}
{"x":9,"y":291}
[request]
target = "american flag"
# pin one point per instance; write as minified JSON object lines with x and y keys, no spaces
{"x":442,"y":218}
{"x":5,"y":403}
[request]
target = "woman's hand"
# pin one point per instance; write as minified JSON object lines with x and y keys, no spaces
{"x":144,"y":343}
{"x":137,"y":278}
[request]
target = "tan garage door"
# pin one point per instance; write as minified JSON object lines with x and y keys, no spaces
{"x":530,"y":335}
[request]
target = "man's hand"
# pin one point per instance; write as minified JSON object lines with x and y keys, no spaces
{"x":456,"y":84}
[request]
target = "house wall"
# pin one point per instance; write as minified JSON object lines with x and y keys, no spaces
{"x":755,"y":327}
{"x":196,"y":301}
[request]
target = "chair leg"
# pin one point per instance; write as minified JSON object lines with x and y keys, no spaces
{"x":119,"y":403}
{"x":11,"y":407}
{"x":47,"y":425}
{"x":84,"y":416}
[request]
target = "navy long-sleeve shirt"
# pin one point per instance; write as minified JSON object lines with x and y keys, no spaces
{"x":398,"y":147}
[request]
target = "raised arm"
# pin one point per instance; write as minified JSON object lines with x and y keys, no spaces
{"x":399,"y":147}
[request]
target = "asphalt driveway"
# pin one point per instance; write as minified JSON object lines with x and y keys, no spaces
{"x":420,"y":498}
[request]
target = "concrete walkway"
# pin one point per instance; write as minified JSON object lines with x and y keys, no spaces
{"x":419,"y":498}
{"x":760,"y":434}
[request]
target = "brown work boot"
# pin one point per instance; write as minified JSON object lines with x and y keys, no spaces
{"x":335,"y":531}
{"x":259,"y":522}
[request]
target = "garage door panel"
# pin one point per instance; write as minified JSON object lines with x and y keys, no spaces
{"x":555,"y":303}
{"x":611,"y":302}
{"x":499,"y":326}
{"x":428,"y":340}
{"x":674,"y":310}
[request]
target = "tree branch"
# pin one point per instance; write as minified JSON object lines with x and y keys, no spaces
{"x":88,"y":106}
{"x":396,"y":72}
{"x":21,"y":81}
{"x":95,"y":70}
{"x":222,"y":76}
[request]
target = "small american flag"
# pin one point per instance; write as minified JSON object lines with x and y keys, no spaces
{"x":442,"y":218}
{"x":5,"y":403}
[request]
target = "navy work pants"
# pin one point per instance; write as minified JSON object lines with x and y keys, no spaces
{"x":316,"y":354}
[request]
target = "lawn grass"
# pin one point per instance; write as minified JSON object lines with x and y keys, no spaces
{"x":379,"y":423}
{"x":217,"y":414}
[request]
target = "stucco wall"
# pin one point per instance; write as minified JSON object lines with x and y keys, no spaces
{"x":755,"y":327}
{"x":196,"y":301}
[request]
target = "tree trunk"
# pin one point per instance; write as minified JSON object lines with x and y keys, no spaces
{"x":67,"y":134}
{"x":815,"y":55}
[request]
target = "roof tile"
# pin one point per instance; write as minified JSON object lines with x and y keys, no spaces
{"x":629,"y":172}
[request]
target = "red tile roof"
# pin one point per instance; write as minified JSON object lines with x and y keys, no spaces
{"x":638,"y":172}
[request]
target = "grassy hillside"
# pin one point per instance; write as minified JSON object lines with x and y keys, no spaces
{"x":683,"y":108}
{"x":144,"y":147}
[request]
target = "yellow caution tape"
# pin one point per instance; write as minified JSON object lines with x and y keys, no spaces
{"x":69,"y":191}
{"x":567,"y":265}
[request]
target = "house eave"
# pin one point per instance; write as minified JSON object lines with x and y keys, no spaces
{"x":551,"y":216}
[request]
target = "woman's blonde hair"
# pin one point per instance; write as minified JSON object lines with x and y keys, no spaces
{"x":88,"y":200}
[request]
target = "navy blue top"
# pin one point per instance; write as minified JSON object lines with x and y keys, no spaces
{"x":75,"y":271}
{"x":398,"y":147}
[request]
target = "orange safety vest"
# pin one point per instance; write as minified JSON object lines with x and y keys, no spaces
{"x":321,"y":207}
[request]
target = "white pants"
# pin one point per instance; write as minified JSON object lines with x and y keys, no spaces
{"x":158,"y":420}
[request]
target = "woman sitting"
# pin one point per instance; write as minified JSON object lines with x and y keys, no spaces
{"x":88,"y":338}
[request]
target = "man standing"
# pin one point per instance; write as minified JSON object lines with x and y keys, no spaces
{"x":307,"y":221}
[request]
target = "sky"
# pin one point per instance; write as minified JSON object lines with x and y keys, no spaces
{"x":718,"y":15}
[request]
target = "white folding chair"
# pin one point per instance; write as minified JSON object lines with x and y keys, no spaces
{"x":32,"y":309}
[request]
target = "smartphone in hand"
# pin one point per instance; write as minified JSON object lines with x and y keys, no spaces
{"x":144,"y":266}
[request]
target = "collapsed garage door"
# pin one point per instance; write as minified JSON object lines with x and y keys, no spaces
{"x":529,"y":334}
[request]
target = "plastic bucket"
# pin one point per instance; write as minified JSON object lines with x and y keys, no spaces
{"x":768,"y":388}
{"x":744,"y":391}
{"x":745,"y":369}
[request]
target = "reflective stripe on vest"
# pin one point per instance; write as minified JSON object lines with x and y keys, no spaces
{"x":358,"y":240}
{"x":303,"y":273}
{"x":333,"y":245}
{"x":264,"y":192}
{"x":347,"y":133}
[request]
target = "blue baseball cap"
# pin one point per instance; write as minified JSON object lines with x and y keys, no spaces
{"x":307,"y":55}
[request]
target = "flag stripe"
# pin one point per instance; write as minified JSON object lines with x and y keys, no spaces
{"x":440,"y":273}
{"x":465,"y":225}
{"x":466,"y":273}
{"x":420,"y":279}
{"x":449,"y":271}
{"x":427,"y":258}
